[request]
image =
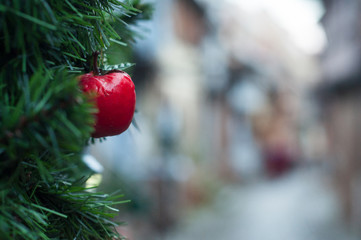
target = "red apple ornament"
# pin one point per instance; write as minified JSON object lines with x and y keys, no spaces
{"x":114,"y":93}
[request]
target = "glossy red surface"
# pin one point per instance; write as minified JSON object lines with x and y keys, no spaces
{"x":115,"y":99}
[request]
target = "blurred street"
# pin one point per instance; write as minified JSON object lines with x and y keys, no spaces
{"x":298,"y":206}
{"x":249,"y":118}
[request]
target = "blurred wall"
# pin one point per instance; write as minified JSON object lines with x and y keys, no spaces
{"x":340,"y":101}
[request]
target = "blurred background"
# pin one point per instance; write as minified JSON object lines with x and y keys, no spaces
{"x":248,"y":117}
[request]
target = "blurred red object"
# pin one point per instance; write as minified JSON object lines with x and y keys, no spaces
{"x":278,"y":160}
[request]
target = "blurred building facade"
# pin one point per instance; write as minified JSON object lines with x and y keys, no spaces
{"x":340,"y":101}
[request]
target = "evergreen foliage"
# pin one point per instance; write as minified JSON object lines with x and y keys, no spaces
{"x":45,"y":121}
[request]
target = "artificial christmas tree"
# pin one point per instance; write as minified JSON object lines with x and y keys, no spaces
{"x":45,"y":118}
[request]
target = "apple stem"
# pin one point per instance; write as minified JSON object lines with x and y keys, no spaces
{"x":95,"y":63}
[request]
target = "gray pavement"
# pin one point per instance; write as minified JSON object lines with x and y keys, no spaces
{"x":299,"y":206}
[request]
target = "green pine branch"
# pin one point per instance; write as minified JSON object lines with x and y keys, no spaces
{"x":45,"y":120}
{"x":59,"y":211}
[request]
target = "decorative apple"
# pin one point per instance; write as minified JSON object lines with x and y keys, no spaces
{"x":115,"y":97}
